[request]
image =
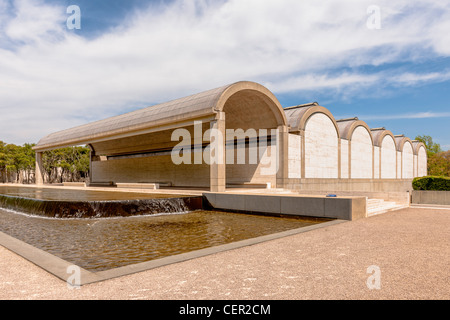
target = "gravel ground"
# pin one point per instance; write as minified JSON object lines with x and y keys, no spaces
{"x":409,"y":248}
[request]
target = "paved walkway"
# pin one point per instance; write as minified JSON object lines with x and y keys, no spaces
{"x":409,"y":246}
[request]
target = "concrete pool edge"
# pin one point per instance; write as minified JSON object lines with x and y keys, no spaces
{"x":60,"y":268}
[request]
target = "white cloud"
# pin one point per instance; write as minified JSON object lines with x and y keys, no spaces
{"x":49,"y":75}
{"x":32,"y":21}
{"x":416,"y":115}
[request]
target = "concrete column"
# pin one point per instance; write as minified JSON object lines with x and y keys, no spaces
{"x":217,"y":154}
{"x":91,"y":157}
{"x":39,"y":171}
{"x":282,"y":156}
{"x":339,"y":158}
{"x":303,"y":154}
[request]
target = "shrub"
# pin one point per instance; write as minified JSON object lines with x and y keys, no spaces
{"x":432,"y":183}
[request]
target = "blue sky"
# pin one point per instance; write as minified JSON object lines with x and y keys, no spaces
{"x":390,"y":68}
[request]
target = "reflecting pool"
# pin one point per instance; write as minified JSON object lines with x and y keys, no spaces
{"x":98,"y":244}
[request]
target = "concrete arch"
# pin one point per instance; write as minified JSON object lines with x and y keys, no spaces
{"x":378,"y":135}
{"x":297,"y":116}
{"x":420,"y":159}
{"x":360,"y":148}
{"x":321,"y":143}
{"x":314,"y":142}
{"x":251,"y":109}
{"x":417,"y":145}
{"x":405,"y":157}
{"x":249,"y":104}
{"x":137,"y":144}
{"x":384,"y":140}
{"x":348,"y":126}
{"x":400,"y":141}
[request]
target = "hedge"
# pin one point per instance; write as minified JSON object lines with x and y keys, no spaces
{"x":431,"y":183}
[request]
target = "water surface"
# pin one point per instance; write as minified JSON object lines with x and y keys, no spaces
{"x":105,"y":243}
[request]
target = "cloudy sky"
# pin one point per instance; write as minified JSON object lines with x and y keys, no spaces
{"x":386,"y":62}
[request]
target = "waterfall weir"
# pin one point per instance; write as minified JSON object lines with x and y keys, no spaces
{"x":93,"y":205}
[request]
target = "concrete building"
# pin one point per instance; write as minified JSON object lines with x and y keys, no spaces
{"x":239,"y":135}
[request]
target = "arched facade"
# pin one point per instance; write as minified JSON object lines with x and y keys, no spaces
{"x":360,"y":148}
{"x":420,"y":159}
{"x":318,"y":142}
{"x":239,"y":134}
{"x":405,"y":158}
{"x":384,"y":143}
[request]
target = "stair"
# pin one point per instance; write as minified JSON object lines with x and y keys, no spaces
{"x":378,"y":206}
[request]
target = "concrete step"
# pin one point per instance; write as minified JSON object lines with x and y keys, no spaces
{"x":378,"y":206}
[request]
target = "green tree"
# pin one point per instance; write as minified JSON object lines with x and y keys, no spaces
{"x":432,"y":147}
{"x":66,"y":164}
{"x":3,"y":162}
{"x":438,"y":161}
{"x":439,"y":164}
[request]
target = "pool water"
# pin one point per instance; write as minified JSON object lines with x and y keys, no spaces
{"x":99,"y":244}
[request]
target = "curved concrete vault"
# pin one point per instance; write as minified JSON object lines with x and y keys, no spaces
{"x":304,"y":142}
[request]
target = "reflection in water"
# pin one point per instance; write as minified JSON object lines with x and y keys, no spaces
{"x":101,"y":244}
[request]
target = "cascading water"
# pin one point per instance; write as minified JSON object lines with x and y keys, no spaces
{"x":99,"y":209}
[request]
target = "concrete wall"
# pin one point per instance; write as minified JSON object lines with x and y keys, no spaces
{"x":321,"y":147}
{"x":346,"y":208}
{"x":430,"y":197}
{"x":361,"y":154}
{"x":396,"y":190}
{"x":334,"y":185}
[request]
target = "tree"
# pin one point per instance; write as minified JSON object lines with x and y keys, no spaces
{"x":432,"y":147}
{"x":439,"y":164}
{"x":17,"y":163}
{"x":66,"y":164}
{"x":3,"y":162}
{"x":438,"y":161}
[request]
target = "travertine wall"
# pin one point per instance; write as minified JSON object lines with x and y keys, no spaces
{"x":376,"y":162}
{"x":344,"y":159}
{"x":347,"y":149}
{"x":157,"y":169}
{"x":422,"y":162}
{"x":259,"y":165}
{"x":407,"y":161}
{"x":361,"y":154}
{"x":295,"y":156}
{"x":388,"y":158}
{"x":161,"y":169}
{"x":321,"y":147}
